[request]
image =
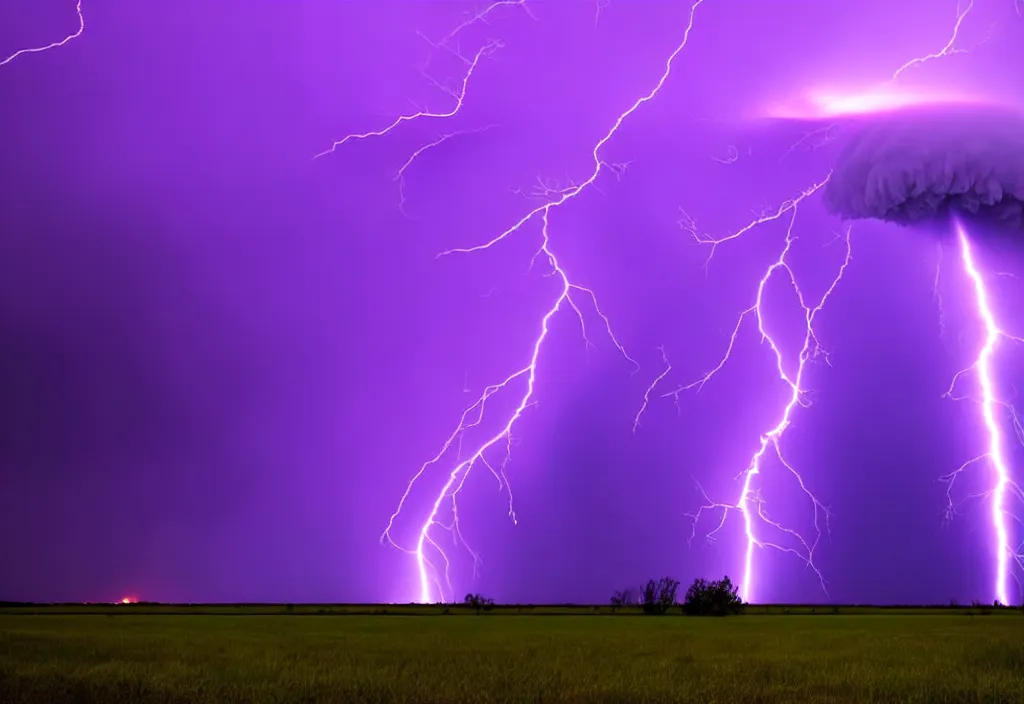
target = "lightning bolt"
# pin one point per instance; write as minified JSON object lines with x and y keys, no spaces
{"x":993,"y":412}
{"x":946,"y":50}
{"x":53,"y":45}
{"x":400,"y":176}
{"x":650,"y":389}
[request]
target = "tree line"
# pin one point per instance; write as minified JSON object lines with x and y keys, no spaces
{"x":703,"y":598}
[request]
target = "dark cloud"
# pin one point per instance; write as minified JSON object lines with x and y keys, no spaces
{"x":918,"y":165}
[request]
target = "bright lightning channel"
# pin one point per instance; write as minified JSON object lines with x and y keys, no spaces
{"x":991,"y":407}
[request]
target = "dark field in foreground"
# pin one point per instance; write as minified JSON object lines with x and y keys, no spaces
{"x":846,"y":657}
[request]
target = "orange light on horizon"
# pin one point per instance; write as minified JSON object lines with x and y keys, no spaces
{"x":129,"y":600}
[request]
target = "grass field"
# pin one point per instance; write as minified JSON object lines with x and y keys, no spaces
{"x":276,"y":654}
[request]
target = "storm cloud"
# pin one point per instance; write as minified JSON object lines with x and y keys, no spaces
{"x":919,"y":165}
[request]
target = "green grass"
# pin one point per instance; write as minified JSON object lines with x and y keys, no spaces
{"x":849,"y":657}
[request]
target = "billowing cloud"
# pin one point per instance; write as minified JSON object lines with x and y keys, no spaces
{"x":921,"y":164}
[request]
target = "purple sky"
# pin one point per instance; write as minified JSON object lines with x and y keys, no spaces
{"x":223,"y":361}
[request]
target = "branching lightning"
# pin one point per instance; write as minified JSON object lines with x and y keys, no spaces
{"x":459,"y":96}
{"x":52,"y":45}
{"x":430,"y":576}
{"x":751,"y":503}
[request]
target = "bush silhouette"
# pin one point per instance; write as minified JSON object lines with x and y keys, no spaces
{"x":712,"y":598}
{"x":478,"y":603}
{"x":624,"y":597}
{"x":658,"y":597}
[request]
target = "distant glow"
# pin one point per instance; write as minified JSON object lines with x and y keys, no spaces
{"x":129,"y":600}
{"x":825,"y":104}
{"x":883,"y":100}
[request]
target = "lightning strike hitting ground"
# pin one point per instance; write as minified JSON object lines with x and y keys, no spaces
{"x":53,"y":45}
{"x":494,"y":453}
{"x":771,"y":439}
{"x":429,"y":576}
{"x":993,"y":412}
